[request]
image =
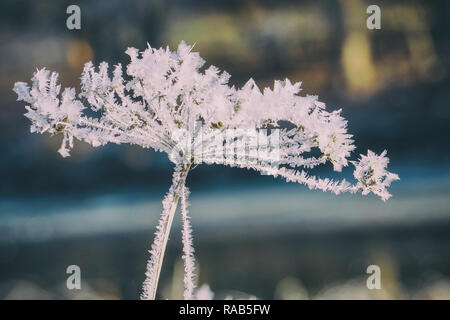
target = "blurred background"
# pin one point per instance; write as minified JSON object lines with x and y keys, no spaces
{"x":254,"y":235}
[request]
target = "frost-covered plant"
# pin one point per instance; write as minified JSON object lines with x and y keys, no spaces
{"x":163,"y":92}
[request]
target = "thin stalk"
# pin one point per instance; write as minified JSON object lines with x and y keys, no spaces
{"x":166,"y":229}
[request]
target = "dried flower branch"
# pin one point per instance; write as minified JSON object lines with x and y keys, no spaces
{"x":165,"y":102}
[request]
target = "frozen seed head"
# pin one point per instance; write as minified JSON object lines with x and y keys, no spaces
{"x":162,"y":91}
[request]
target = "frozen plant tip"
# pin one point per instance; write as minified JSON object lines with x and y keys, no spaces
{"x":166,"y":101}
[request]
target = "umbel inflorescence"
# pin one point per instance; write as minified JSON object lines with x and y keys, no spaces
{"x":167,"y":101}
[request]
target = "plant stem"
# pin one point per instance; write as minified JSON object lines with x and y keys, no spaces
{"x":167,"y":227}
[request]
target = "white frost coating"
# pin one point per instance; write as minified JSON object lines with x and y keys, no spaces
{"x":164,"y":91}
{"x":204,"y":293}
{"x":159,"y":243}
{"x":188,"y":249}
{"x":372,"y":175}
